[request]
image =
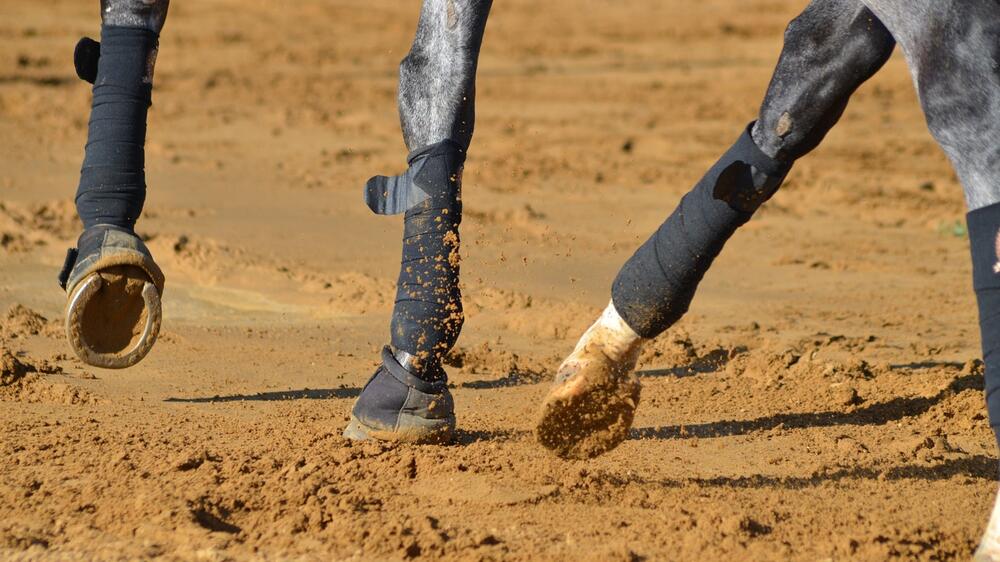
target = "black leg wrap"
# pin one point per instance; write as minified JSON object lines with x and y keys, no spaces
{"x":655,"y":287}
{"x":113,"y":182}
{"x":428,"y":315}
{"x":984,"y":241}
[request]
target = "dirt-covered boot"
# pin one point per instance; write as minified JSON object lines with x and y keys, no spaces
{"x":396,"y":405}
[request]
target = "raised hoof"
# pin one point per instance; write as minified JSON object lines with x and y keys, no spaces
{"x":589,"y":413}
{"x":418,"y":434}
{"x":113,"y":317}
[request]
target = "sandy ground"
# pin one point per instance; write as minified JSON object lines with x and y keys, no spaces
{"x":821,"y":400}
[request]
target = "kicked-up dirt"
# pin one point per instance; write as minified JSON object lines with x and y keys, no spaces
{"x":821,"y":401}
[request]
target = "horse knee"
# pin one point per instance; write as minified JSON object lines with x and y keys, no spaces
{"x":830,"y":50}
{"x":145,"y":14}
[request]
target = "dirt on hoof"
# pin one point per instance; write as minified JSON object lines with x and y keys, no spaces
{"x":116,"y":315}
{"x":589,"y":414}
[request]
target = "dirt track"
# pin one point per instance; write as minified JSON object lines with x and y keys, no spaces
{"x":819,"y":402}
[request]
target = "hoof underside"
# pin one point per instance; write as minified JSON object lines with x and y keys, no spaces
{"x":113,"y":317}
{"x":588,"y":414}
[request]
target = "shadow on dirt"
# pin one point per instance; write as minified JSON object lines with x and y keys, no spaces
{"x":927,"y":365}
{"x":516,"y":378}
{"x":281,"y":395}
{"x":876,"y":414}
{"x":465,"y":437}
{"x":711,"y":362}
{"x":978,"y":466}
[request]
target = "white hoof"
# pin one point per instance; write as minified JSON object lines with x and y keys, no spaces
{"x":590,"y":408}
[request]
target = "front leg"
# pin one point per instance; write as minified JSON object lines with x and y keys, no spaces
{"x":830,"y":50}
{"x":407,"y":398}
{"x":113,"y":312}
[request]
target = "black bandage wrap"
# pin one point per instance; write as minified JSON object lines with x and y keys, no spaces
{"x":113,"y":181}
{"x":655,"y":287}
{"x":428,"y":314}
{"x":984,"y":241}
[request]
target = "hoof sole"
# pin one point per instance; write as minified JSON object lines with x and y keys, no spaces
{"x":113,"y":317}
{"x":589,"y":414}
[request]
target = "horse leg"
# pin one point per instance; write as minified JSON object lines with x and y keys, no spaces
{"x":114,"y":286}
{"x":407,"y":398}
{"x":830,"y":50}
{"x":953,"y":49}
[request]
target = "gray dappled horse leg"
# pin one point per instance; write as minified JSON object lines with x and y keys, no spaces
{"x":953,"y":50}
{"x":113,"y":285}
{"x":437,"y":92}
{"x":830,"y":50}
{"x":407,"y":398}
{"x":437,"y":78}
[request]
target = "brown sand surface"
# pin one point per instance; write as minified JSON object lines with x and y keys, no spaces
{"x":821,"y":401}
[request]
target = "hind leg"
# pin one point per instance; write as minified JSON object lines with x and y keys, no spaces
{"x":407,"y":398}
{"x":113,"y":284}
{"x":953,"y":49}
{"x":830,"y":50}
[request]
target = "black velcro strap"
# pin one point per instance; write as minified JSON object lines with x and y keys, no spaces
{"x":85,"y":59}
{"x":733,"y":175}
{"x":67,"y":268}
{"x":433,"y":174}
{"x":409,"y":379}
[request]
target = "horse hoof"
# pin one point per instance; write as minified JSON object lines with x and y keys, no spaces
{"x":113,"y":317}
{"x":397,"y":406}
{"x":589,"y":412}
